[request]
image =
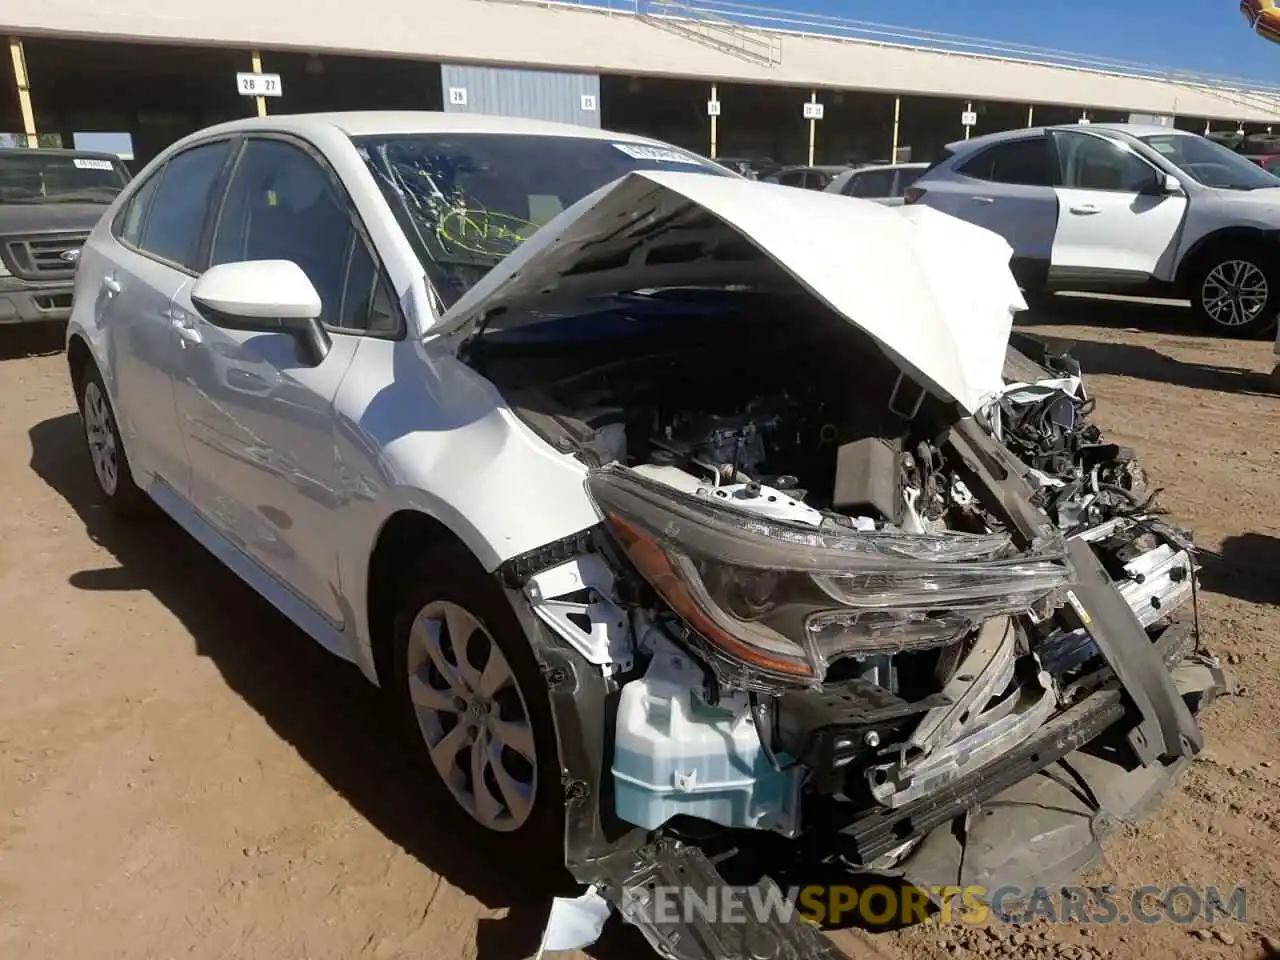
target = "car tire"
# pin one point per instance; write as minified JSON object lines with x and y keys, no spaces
{"x":462,"y":711}
{"x":1235,"y":291}
{"x":107,"y":457}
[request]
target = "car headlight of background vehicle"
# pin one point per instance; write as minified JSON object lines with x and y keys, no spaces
{"x":777,"y":603}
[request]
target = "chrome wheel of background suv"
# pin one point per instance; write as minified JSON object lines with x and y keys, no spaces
{"x":1234,"y":292}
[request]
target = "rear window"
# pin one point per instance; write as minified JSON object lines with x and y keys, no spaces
{"x":33,"y":178}
{"x":906,"y":177}
{"x":1028,"y":162}
{"x":872,"y":184}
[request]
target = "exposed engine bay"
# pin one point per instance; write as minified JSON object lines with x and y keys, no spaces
{"x":1043,"y":418}
{"x":714,"y":419}
{"x":828,"y":602}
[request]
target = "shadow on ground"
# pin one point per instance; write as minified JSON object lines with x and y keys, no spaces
{"x":1134,"y":360}
{"x":1146,"y":363}
{"x":31,"y":339}
{"x":1247,"y":568}
{"x":1145,"y":315}
{"x":319,"y":704}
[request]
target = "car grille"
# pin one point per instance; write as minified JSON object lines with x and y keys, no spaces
{"x":43,"y":258}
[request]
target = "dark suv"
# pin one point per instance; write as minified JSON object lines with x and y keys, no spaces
{"x":49,"y":201}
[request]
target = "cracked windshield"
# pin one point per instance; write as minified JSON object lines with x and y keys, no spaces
{"x":468,"y":200}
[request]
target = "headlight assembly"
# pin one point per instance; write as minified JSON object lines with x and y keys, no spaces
{"x":776,"y":603}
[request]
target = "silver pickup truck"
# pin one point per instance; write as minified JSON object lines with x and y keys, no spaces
{"x":49,"y":201}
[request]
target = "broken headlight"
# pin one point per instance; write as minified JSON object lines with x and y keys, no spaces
{"x":776,"y":602}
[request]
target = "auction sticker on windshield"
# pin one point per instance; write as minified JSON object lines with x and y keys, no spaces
{"x":638,"y":151}
{"x":83,"y":163}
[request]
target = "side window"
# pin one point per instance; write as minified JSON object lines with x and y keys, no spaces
{"x":906,"y":177}
{"x":283,"y":205}
{"x":1027,"y":162}
{"x":792,"y":178}
{"x":367,"y":303}
{"x":1091,"y":163}
{"x":129,"y":227}
{"x":873,"y":183}
{"x":172,"y":228}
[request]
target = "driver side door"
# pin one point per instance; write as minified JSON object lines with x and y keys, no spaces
{"x":259,"y":413}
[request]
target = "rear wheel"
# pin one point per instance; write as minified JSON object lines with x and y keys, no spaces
{"x":1236,"y":291}
{"x":106,"y":450}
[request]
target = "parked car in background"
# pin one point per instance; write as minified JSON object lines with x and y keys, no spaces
{"x":1123,"y":209}
{"x":753,"y":168}
{"x":49,"y":201}
{"x":1269,"y":162}
{"x":883,"y":183}
{"x":670,"y":510}
{"x":808,"y":178}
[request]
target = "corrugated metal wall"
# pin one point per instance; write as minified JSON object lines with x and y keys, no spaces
{"x":534,"y":94}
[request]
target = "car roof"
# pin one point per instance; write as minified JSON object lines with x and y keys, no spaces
{"x":1128,"y":129}
{"x":907,"y":165}
{"x":820,"y":167}
{"x":374,"y":122}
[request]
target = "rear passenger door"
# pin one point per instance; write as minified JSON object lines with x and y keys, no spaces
{"x":1007,"y":188}
{"x":259,"y":420}
{"x":158,"y":237}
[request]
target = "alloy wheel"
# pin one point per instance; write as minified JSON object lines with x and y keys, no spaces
{"x":101,"y":437}
{"x":1234,"y":293}
{"x":473,"y":716}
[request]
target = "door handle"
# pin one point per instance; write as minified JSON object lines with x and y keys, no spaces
{"x":185,"y":326}
{"x":983,"y":199}
{"x":1085,"y":210}
{"x":111,"y":285}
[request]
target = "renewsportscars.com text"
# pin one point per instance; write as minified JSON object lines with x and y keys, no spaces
{"x":879,"y":905}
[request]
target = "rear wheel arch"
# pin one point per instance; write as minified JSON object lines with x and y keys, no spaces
{"x":79,"y":357}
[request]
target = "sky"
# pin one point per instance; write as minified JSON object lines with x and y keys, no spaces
{"x":1209,"y":36}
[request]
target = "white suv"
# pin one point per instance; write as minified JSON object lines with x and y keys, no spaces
{"x":1123,"y":208}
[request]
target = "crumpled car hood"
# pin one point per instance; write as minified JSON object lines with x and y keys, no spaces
{"x":935,"y":293}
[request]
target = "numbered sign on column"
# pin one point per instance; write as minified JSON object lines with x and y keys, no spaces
{"x":259,"y":84}
{"x":713,"y":108}
{"x":813,"y":111}
{"x":969,"y":118}
{"x":458,"y":96}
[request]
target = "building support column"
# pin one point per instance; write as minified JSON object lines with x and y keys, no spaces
{"x":715,"y":98}
{"x":813,"y":126}
{"x":257,"y":68}
{"x":1031,"y":115}
{"x":24,"y":91}
{"x":897,"y":127}
{"x":968,"y":108}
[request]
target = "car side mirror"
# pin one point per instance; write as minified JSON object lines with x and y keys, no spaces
{"x":265,"y":296}
{"x":1168,"y":185}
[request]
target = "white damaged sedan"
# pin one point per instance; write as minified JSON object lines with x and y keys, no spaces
{"x":659,"y":501}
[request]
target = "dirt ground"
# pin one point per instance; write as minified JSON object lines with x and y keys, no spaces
{"x":182,"y":773}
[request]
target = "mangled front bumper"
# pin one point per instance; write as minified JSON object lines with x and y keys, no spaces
{"x":1033,"y":817}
